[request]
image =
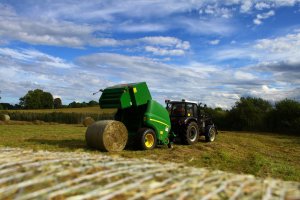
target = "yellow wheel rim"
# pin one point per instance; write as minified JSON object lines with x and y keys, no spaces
{"x":149,"y":140}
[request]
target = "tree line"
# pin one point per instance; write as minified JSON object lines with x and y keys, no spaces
{"x":257,"y":114}
{"x":39,"y":99}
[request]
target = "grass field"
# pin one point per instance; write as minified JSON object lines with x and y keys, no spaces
{"x":260,"y":154}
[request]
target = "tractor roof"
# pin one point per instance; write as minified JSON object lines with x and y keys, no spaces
{"x":182,"y":101}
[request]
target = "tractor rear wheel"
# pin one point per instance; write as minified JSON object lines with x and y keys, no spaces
{"x":147,"y":138}
{"x":210,"y":135}
{"x":191,"y":134}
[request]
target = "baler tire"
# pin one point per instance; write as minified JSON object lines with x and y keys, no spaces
{"x":147,"y":138}
{"x":191,"y":134}
{"x":210,"y":136}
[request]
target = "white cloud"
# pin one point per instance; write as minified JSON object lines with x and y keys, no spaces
{"x":29,"y":56}
{"x":262,"y":6}
{"x":280,"y":49}
{"x":244,"y":75}
{"x":214,"y":42}
{"x":260,"y":17}
{"x":216,"y":11}
{"x":166,"y":41}
{"x":140,"y":28}
{"x":206,"y":26}
{"x":164,"y":52}
{"x":285,"y":48}
{"x":246,"y":6}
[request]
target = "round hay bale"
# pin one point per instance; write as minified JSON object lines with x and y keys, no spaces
{"x":4,"y":117}
{"x":88,"y":121}
{"x":107,"y":135}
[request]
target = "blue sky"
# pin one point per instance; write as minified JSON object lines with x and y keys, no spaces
{"x":203,"y":50}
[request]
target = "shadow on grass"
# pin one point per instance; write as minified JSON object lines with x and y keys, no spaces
{"x":68,"y":144}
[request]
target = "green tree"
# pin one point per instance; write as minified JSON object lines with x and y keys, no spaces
{"x":57,"y":103}
{"x":47,"y":100}
{"x":93,"y":103}
{"x":286,"y":116}
{"x":250,"y":113}
{"x":37,"y":99}
{"x":74,"y":105}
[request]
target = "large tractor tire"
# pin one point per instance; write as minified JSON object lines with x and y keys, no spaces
{"x":210,"y":134}
{"x":191,"y":135}
{"x":147,"y":138}
{"x":107,"y":135}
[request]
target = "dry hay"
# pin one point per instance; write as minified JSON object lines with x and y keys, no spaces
{"x":27,"y":174}
{"x":88,"y":121}
{"x":4,"y":117}
{"x":107,"y":135}
{"x":39,"y":122}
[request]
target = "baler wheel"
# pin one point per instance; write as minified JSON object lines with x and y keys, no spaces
{"x":147,"y":138}
{"x":107,"y":135}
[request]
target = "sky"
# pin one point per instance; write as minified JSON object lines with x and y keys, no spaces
{"x":209,"y":51}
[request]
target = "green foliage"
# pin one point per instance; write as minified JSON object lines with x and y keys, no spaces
{"x":249,"y":114}
{"x":93,"y":103}
{"x":37,"y":99}
{"x":286,"y":116}
{"x":220,"y":117}
{"x":57,"y":103}
{"x":75,"y":105}
{"x":256,"y":114}
{"x":83,"y":104}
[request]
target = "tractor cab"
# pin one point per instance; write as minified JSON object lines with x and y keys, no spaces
{"x":189,"y":122}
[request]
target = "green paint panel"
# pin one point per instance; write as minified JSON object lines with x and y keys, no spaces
{"x":157,"y":117}
{"x":125,"y":95}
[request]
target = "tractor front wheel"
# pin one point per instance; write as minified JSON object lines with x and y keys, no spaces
{"x":210,"y":135}
{"x":147,"y":138}
{"x":191,"y":134}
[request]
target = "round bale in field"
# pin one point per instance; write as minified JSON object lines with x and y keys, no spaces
{"x":88,"y":121}
{"x":107,"y":135}
{"x":4,"y":117}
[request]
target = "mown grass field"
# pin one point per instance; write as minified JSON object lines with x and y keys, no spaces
{"x":260,"y":154}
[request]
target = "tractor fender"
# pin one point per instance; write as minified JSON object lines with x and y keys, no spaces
{"x":189,"y":120}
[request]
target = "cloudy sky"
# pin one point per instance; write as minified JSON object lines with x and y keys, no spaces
{"x":211,"y":51}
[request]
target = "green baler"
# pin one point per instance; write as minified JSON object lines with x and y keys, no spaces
{"x":147,"y":121}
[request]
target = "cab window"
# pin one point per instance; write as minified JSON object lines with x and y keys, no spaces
{"x":178,"y":110}
{"x":195,"y":110}
{"x":190,"y":110}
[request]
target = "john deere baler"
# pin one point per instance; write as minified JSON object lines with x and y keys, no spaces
{"x":139,"y":121}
